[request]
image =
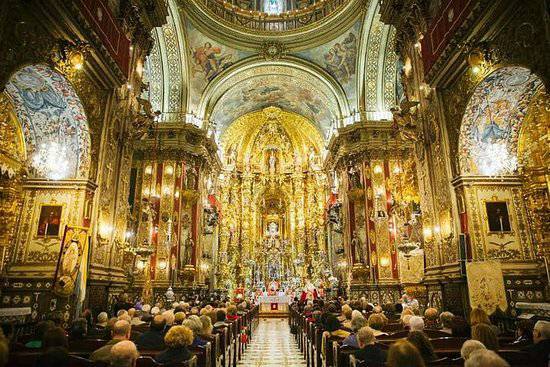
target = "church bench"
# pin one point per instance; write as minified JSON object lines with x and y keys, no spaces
{"x":515,"y":358}
{"x":203,"y":355}
{"x":327,"y":355}
{"x":341,"y":354}
{"x":86,"y":345}
{"x":223,"y":345}
{"x":392,"y":328}
{"x":214,"y":339}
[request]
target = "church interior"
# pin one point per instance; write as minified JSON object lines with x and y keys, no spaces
{"x":320,"y":183}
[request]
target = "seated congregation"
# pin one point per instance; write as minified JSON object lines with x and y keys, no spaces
{"x":356,"y":333}
{"x":201,"y":334}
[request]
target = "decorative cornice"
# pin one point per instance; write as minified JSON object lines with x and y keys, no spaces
{"x":371,"y":139}
{"x":306,"y":37}
{"x":179,"y":141}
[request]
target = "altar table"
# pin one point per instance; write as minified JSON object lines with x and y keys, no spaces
{"x":273,"y":304}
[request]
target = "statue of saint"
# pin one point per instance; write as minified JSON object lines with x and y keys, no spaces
{"x":313,"y":159}
{"x":354,"y":177}
{"x":272,"y":163}
{"x":357,"y":248}
{"x":188,"y":250}
{"x":191,"y":178}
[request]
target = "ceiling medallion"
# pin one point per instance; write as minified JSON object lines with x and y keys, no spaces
{"x":273,"y":50}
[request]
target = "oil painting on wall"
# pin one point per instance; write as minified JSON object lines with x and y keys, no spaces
{"x":52,"y":116}
{"x":49,"y":221}
{"x":491,"y":123}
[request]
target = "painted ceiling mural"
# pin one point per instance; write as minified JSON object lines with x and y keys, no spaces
{"x":207,"y":58}
{"x":51,"y":115}
{"x":339,"y":59}
{"x":492,"y":121}
{"x":360,"y":59}
{"x":283,"y":91}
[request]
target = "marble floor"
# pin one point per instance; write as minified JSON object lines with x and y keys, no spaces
{"x":273,"y":346}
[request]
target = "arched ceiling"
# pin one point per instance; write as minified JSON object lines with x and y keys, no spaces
{"x":292,"y":85}
{"x":208,"y":80}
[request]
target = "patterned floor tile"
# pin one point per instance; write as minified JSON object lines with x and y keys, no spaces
{"x":273,"y":346}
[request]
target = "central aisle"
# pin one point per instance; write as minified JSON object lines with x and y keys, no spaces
{"x":273,"y":345}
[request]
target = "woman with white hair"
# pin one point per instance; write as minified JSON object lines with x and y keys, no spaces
{"x":357,"y":322}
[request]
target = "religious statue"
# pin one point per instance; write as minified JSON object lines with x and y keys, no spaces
{"x":403,"y":121}
{"x":354,"y":177}
{"x":191,"y":177}
{"x":272,"y":163}
{"x":188,"y":250}
{"x":313,"y":159}
{"x":297,"y":164}
{"x":231,"y":156}
{"x":211,"y":217}
{"x":148,"y":216}
{"x":357,"y":247}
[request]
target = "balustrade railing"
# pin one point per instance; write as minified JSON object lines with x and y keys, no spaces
{"x":258,"y":20}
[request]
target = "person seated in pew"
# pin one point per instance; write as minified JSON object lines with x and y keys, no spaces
{"x":220,"y":317}
{"x":332,"y":329}
{"x":39,"y":332}
{"x":179,"y":317}
{"x":207,"y":327}
{"x":478,"y":316}
{"x":79,"y":329}
{"x":357,"y":322}
{"x":460,"y":327}
{"x":102,"y":319}
{"x":194,"y":323}
{"x":177,"y":339}
{"x":486,"y":335}
{"x":416,"y":323}
{"x":485,"y":358}
{"x":153,"y":339}
{"x":469,"y":347}
{"x":539,"y":352}
{"x":53,"y":357}
{"x":124,"y":354}
{"x":423,"y":344}
{"x":446,"y":321}
{"x":232,"y":313}
{"x":431,"y":318}
{"x":345,"y":316}
{"x":376,"y":323}
{"x":369,"y":351}
{"x":524,"y":333}
{"x":403,"y":353}
{"x":55,"y":349}
{"x":121,"y":332}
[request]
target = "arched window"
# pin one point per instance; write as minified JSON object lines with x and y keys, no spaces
{"x":274,"y":7}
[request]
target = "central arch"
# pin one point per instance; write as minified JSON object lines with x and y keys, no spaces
{"x":302,"y":87}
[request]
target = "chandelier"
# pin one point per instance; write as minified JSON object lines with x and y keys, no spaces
{"x":494,"y":159}
{"x":51,"y":160}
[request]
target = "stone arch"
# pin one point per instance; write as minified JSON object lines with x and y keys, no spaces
{"x":492,"y":121}
{"x":53,"y":122}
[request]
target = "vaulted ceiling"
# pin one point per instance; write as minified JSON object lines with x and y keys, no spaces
{"x":210,"y":79}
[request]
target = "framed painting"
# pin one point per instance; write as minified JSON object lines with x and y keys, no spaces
{"x":498,"y":217}
{"x":49,"y":221}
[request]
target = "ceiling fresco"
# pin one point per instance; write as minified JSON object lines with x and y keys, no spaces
{"x":339,"y":59}
{"x":207,"y":58}
{"x":282,"y":91}
{"x":325,"y":84}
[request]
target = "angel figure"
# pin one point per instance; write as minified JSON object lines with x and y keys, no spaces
{"x":403,"y":120}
